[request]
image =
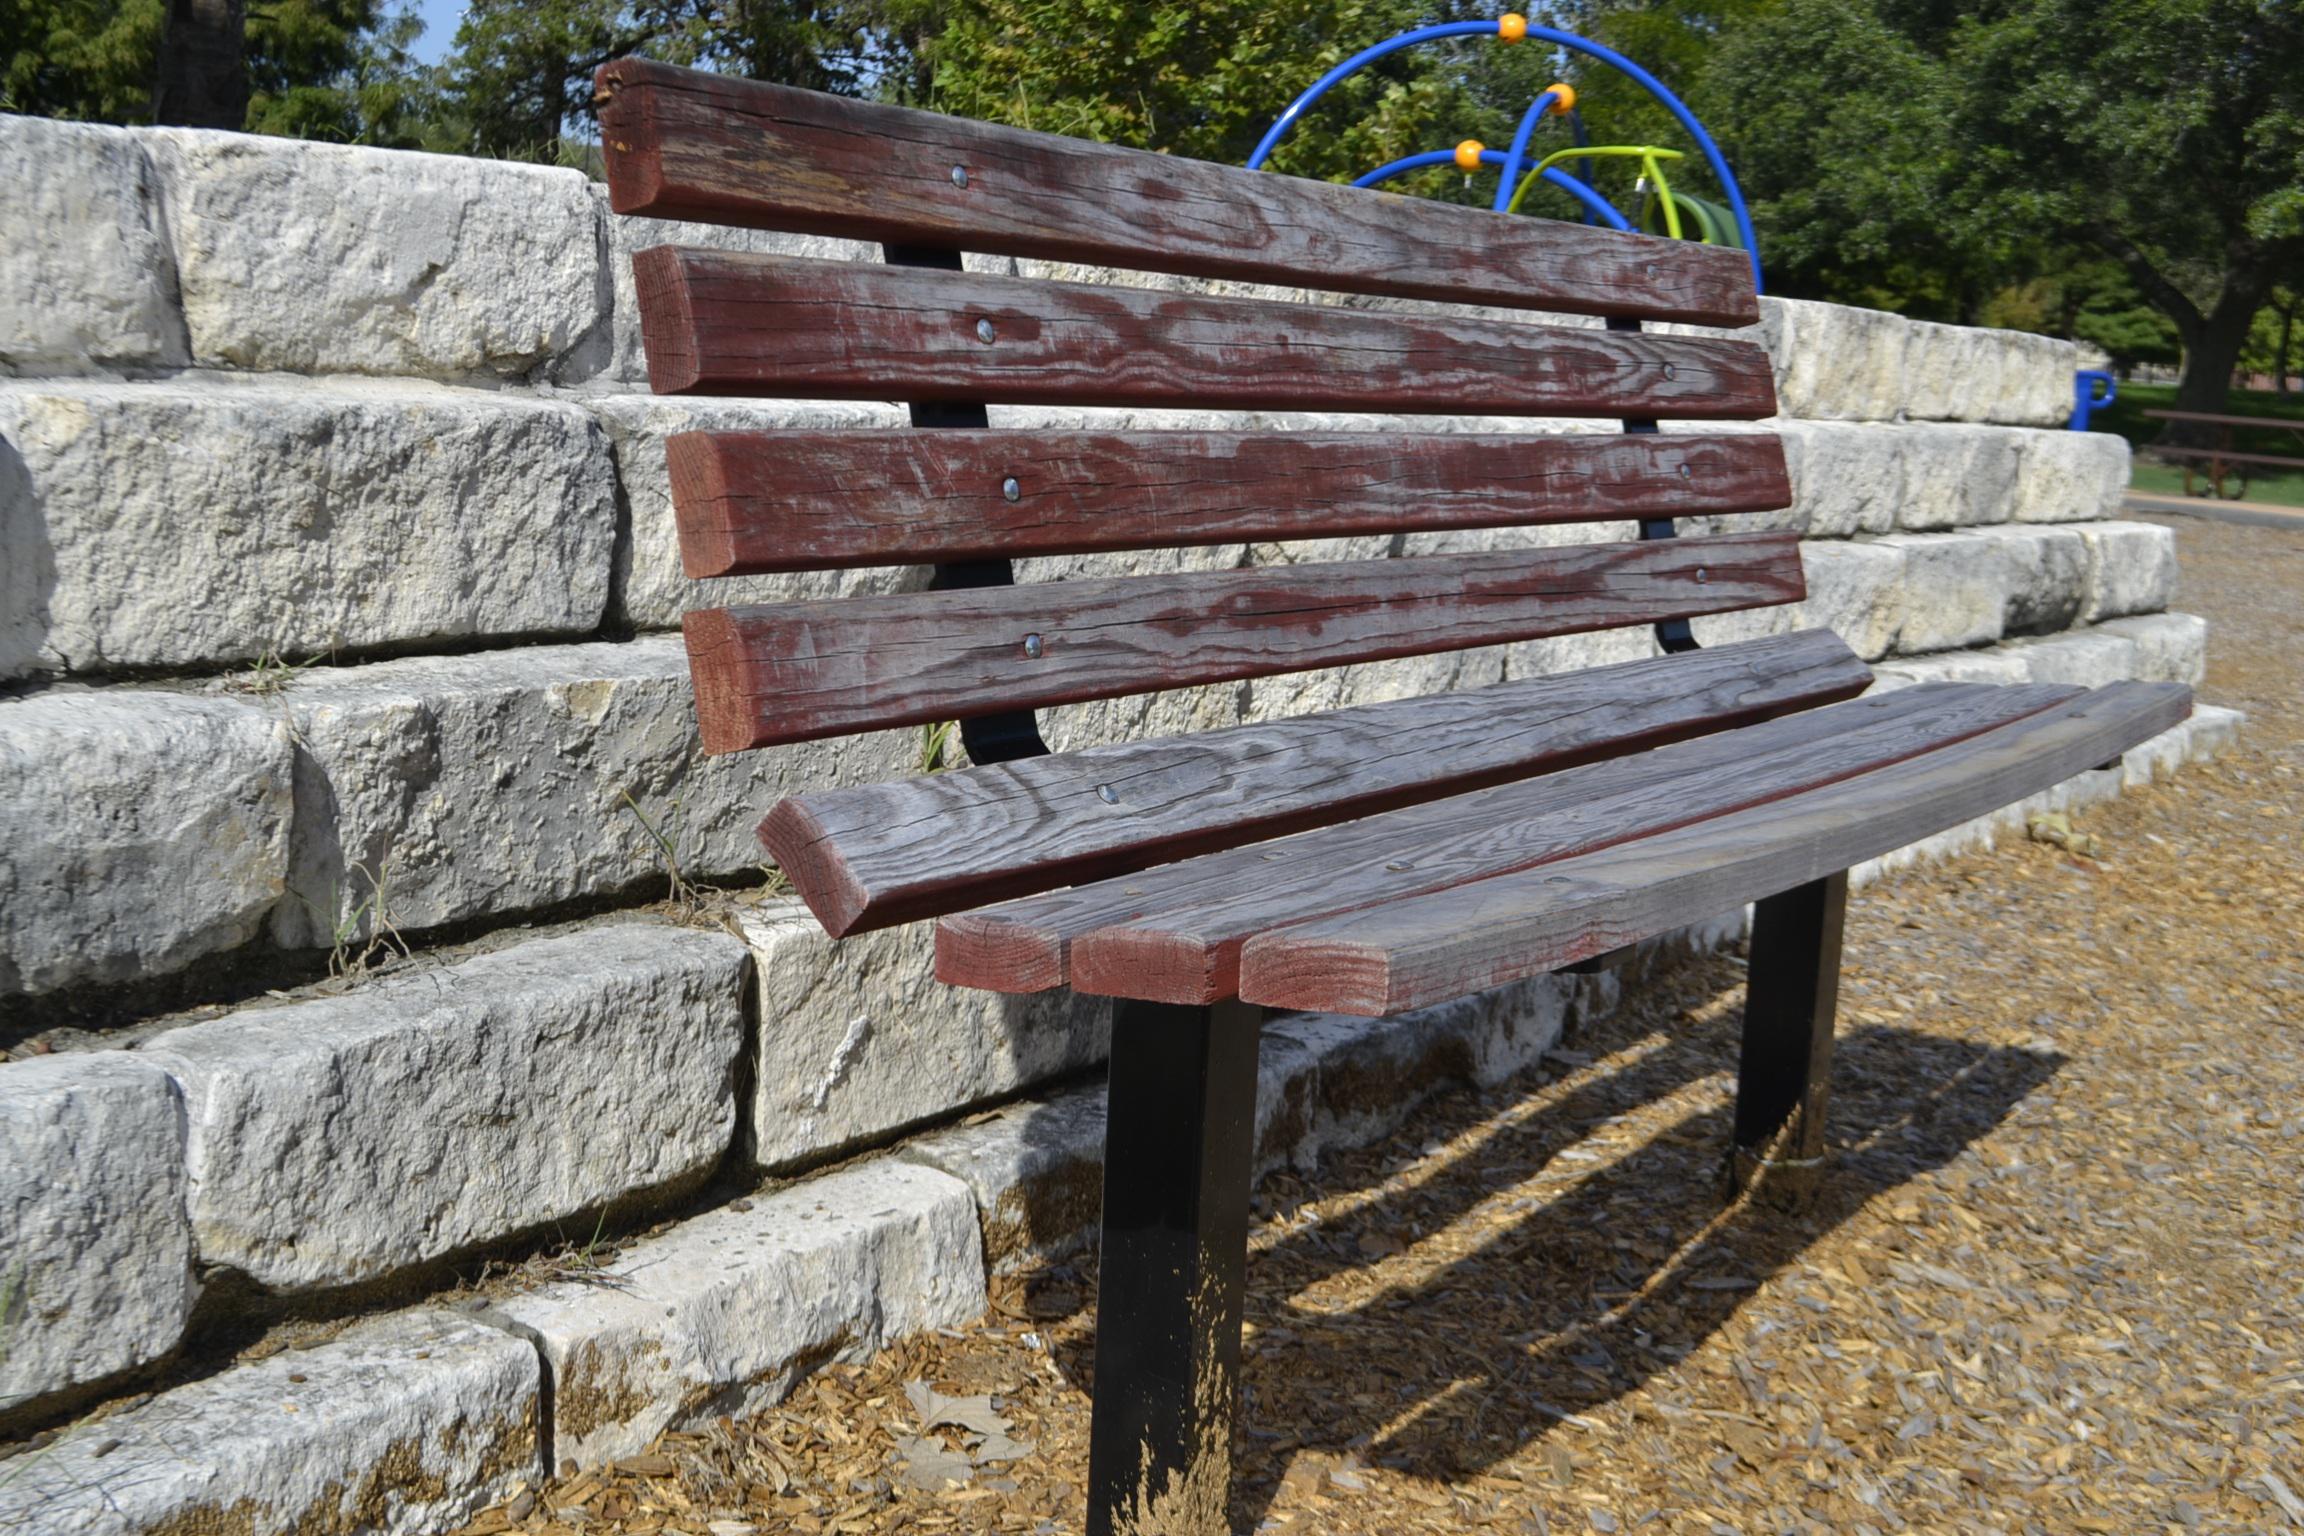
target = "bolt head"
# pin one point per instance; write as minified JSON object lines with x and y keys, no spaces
{"x":1107,"y":794}
{"x":1671,"y":372}
{"x":1701,"y":576}
{"x":984,"y":331}
{"x":1010,"y":488}
{"x":1032,"y":646}
{"x":960,"y":176}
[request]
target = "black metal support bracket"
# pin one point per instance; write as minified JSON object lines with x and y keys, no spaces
{"x":1672,"y":635}
{"x":1003,"y":737}
{"x":1792,"y":998}
{"x":1179,"y":1144}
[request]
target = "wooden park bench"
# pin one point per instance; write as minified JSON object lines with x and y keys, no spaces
{"x":1367,"y":860}
{"x":2222,"y":462}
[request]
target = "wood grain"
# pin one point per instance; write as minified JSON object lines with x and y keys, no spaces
{"x":871,"y":855}
{"x":782,"y":672}
{"x":1173,"y":934}
{"x":685,"y":145}
{"x":1407,"y":954}
{"x":721,"y":322}
{"x":749,"y":503}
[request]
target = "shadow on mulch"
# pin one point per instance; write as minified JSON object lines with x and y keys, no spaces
{"x":1584,"y":1298}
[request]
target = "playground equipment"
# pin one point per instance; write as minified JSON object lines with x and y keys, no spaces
{"x":1673,"y":212}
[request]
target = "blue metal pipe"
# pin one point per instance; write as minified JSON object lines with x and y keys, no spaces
{"x":1519,"y":156}
{"x":1352,"y":66}
{"x":1598,"y":206}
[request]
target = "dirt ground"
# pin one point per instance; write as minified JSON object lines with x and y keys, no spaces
{"x":2054,"y":1283}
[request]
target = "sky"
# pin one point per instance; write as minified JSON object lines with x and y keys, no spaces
{"x":440,"y":19}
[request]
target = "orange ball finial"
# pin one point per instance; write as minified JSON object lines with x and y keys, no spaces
{"x":1511,"y":26}
{"x":1563,"y":99}
{"x":1468,"y":155}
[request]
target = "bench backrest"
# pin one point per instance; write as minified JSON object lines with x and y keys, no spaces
{"x":919,"y":329}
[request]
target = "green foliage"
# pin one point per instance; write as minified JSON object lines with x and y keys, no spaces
{"x":92,"y":60}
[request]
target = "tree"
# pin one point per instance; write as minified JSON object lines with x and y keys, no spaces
{"x":86,"y":59}
{"x":203,"y":66}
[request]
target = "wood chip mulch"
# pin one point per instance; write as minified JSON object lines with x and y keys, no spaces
{"x":2054,"y":1281}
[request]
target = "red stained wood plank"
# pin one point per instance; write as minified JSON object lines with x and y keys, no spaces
{"x":871,"y":855}
{"x":685,"y":145}
{"x":782,"y":672}
{"x":1173,"y":934}
{"x":718,"y":322}
{"x":1407,"y":954}
{"x":755,"y":502}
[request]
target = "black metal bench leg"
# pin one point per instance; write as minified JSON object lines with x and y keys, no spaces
{"x":1179,"y":1138}
{"x":1784,"y":1079}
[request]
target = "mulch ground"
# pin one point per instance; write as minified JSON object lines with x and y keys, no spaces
{"x":2054,"y":1282}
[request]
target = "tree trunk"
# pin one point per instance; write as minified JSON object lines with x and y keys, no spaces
{"x":2212,"y":350}
{"x":2280,"y":358}
{"x":203,"y":65}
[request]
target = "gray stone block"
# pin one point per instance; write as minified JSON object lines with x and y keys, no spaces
{"x":97,"y":1274}
{"x":859,"y":1038}
{"x":2046,"y":572}
{"x":88,"y":284}
{"x":1035,"y":1168}
{"x":398,"y":1427}
{"x":1855,"y":589}
{"x":139,"y":831}
{"x":2170,"y":647}
{"x":2132,"y":569}
{"x":2070,"y":477}
{"x":497,"y":783}
{"x":340,"y":1138}
{"x":2087,"y":658}
{"x":727,"y":1311}
{"x":330,"y":258}
{"x":1955,"y":590}
{"x":192,"y":524}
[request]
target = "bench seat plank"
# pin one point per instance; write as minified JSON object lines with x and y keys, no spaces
{"x":1173,"y":934}
{"x":870,"y":855}
{"x":723,"y":322}
{"x":779,"y":672}
{"x":750,"y":503}
{"x":688,"y":145}
{"x":1429,"y":949}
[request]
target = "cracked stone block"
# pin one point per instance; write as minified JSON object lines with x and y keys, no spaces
{"x":1953,"y":475}
{"x":223,"y":521}
{"x":510,"y":781}
{"x":340,"y":1138}
{"x":2170,"y":647}
{"x":1989,"y":665}
{"x":2070,"y":477}
{"x":1855,"y":589}
{"x":2046,"y":571}
{"x":97,"y":1276}
{"x":139,"y":831}
{"x":398,"y":1427}
{"x":88,"y":284}
{"x":726,"y":1312}
{"x":859,"y":1038}
{"x":2088,"y":658}
{"x":2132,"y":569}
{"x":335,"y":258}
{"x":1954,"y":590}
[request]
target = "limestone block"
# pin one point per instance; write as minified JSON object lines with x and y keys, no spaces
{"x":1035,"y":1168}
{"x":1847,"y":479}
{"x":2046,"y":571}
{"x":191,"y":524}
{"x":139,"y":831}
{"x":2087,"y":658}
{"x":98,"y":1273}
{"x":2132,"y":569}
{"x":339,"y":1138}
{"x":1833,"y":361}
{"x":2211,"y":732}
{"x":1954,"y":475}
{"x":858,"y":1038}
{"x":726,"y":1312}
{"x":512,"y":780}
{"x":331,"y":258}
{"x":88,"y":283}
{"x":652,"y":591}
{"x":2069,"y":477}
{"x":628,"y":236}
{"x":397,"y":1427}
{"x":2170,"y":647}
{"x":1955,"y":590}
{"x":1990,"y":665}
{"x":1855,"y":589}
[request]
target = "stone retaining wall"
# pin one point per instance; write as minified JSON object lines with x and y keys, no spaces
{"x":337,"y":583}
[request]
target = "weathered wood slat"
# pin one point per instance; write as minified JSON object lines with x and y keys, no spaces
{"x":721,"y":322}
{"x":1428,"y":949}
{"x":1173,"y":934}
{"x":871,"y":855}
{"x":782,"y":672}
{"x":755,"y":502}
{"x":684,"y":145}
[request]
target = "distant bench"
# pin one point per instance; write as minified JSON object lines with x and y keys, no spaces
{"x":1365,"y":860}
{"x":2221,"y":462}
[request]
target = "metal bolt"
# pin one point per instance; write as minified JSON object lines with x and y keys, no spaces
{"x":1395,"y":867}
{"x":984,"y":330}
{"x":1032,"y":646}
{"x":1010,"y":489}
{"x":1107,"y":794}
{"x":960,"y":176}
{"x":1671,"y":372}
{"x":1686,"y":473}
{"x":1701,"y":578}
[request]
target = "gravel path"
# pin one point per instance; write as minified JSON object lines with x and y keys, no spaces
{"x":2055,"y":1282}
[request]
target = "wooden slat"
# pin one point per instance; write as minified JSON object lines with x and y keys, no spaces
{"x":725,"y":322}
{"x":783,"y":672}
{"x":1407,"y":954}
{"x":682,"y":145}
{"x":871,"y":855}
{"x":755,"y":502}
{"x":1173,"y":934}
